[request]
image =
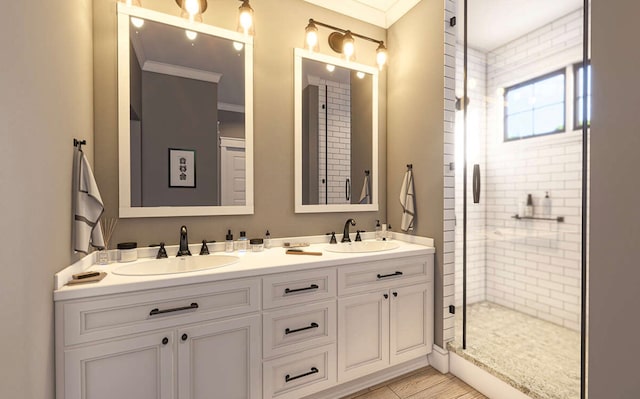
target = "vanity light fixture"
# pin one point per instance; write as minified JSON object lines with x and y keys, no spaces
{"x":342,"y":41}
{"x":245,"y":19}
{"x":192,"y":9}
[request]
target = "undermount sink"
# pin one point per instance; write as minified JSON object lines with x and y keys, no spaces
{"x":183,"y":264}
{"x":362,"y":246}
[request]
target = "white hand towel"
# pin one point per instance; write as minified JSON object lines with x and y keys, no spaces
{"x":88,"y":207}
{"x":408,"y":202}
{"x":365,"y":194}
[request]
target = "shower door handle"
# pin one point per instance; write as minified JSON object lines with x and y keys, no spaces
{"x":347,"y":189}
{"x":476,"y":184}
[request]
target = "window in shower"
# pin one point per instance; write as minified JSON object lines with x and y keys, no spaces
{"x":535,"y":107}
{"x":579,"y":95}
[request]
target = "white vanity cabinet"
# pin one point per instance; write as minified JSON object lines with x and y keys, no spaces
{"x":299,"y":333}
{"x":319,"y":330}
{"x":182,"y":342}
{"x":390,"y":322}
{"x":140,"y":367}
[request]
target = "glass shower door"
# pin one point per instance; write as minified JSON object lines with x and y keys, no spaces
{"x":520,"y":150}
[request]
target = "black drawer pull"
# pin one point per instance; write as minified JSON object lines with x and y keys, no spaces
{"x":288,"y":378}
{"x":157,"y":311}
{"x":381,"y":276}
{"x":311,"y":287}
{"x":313,"y":325}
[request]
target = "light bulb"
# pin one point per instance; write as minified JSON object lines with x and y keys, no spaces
{"x":348,"y":47}
{"x":331,"y":68}
{"x":360,"y":75}
{"x":238,"y":46}
{"x":137,"y":22}
{"x":245,"y":19}
{"x":381,"y":55}
{"x":191,"y":34}
{"x":311,"y":36}
{"x":312,"y":39}
{"x":192,"y":6}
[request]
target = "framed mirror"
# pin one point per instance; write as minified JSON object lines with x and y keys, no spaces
{"x":185,"y":117}
{"x":336,"y":134}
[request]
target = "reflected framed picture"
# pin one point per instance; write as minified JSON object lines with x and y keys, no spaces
{"x":182,"y":168}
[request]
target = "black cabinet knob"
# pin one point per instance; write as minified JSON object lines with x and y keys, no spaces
{"x":395,"y":294}
{"x":165,"y":341}
{"x":184,"y":337}
{"x":386,"y":296}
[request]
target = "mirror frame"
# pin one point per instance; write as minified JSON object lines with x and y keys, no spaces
{"x":299,"y":55}
{"x":124,"y":161}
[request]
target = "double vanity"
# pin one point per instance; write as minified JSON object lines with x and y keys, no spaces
{"x":267,"y":324}
{"x":258,"y":325}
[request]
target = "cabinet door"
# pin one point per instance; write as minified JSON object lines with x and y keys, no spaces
{"x":221,"y":360}
{"x":363,"y":335}
{"x":411,"y":329}
{"x":140,"y":367}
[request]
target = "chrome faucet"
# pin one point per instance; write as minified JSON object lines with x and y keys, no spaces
{"x":184,"y":243}
{"x":345,"y":232}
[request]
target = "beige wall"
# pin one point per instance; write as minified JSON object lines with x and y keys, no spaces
{"x":614,"y":272}
{"x":415,"y":108}
{"x":45,"y":101}
{"x":273,"y":117}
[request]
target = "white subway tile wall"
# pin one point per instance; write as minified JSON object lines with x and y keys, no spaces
{"x":336,"y":142}
{"x":529,"y":265}
{"x":448,"y":249}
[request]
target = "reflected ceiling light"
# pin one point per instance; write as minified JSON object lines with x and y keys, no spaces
{"x":137,"y":22}
{"x":360,"y":75}
{"x":342,"y":41}
{"x":192,"y":9}
{"x":238,"y":46}
{"x":191,"y":35}
{"x":331,"y":68}
{"x":245,"y":18}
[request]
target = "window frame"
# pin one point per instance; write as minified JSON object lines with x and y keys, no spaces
{"x":561,"y":71}
{"x":577,"y":124}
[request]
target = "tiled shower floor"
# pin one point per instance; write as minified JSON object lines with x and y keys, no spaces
{"x":536,"y":357}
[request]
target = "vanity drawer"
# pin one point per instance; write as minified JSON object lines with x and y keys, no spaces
{"x":111,"y":316}
{"x":298,"y":328}
{"x":298,"y":287}
{"x":299,"y":375}
{"x":383,"y":274}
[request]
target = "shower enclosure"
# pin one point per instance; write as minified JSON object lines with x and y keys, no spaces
{"x":522,"y":92}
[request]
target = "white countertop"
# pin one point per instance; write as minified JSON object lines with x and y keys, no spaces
{"x":273,"y":260}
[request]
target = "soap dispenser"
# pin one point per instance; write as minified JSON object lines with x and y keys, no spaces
{"x":267,"y":240}
{"x":528,"y":210}
{"x":546,"y":205}
{"x":378,"y":231}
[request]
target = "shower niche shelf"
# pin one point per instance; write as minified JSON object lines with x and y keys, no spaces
{"x":559,"y":219}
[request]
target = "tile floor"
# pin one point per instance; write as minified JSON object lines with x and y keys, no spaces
{"x":425,"y":383}
{"x":534,"y":356}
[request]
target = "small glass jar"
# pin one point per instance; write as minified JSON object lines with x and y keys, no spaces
{"x":103,"y":257}
{"x":128,"y":251}
{"x":257,"y":244}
